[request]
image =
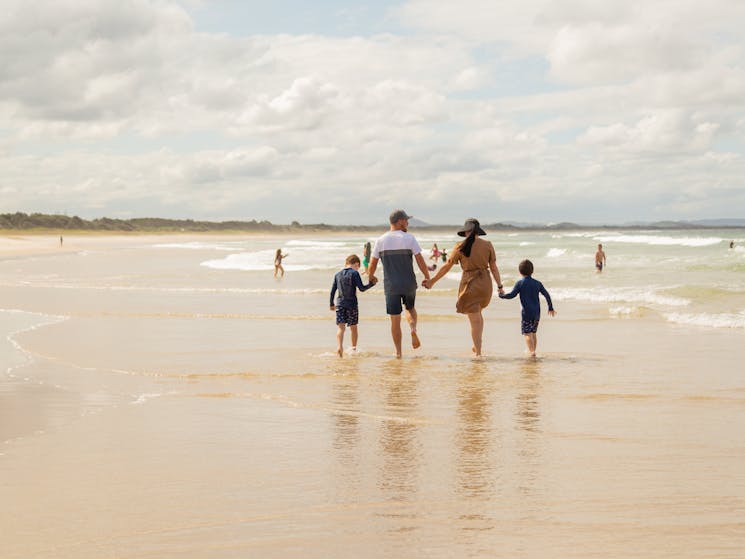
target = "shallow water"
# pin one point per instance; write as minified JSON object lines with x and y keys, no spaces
{"x":158,"y":407}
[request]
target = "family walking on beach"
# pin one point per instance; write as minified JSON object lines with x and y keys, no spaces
{"x":397,"y":249}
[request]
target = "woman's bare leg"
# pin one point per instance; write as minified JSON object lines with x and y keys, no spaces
{"x":477,"y":330}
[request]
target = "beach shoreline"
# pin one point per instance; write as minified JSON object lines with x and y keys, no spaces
{"x":154,"y":406}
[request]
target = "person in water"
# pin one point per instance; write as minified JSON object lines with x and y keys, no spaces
{"x":278,"y":263}
{"x":366,"y":252}
{"x":397,"y":249}
{"x":600,"y":259}
{"x":477,"y":258}
{"x":346,"y":282}
{"x":528,"y":289}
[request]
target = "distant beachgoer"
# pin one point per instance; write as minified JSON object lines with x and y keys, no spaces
{"x":278,"y":262}
{"x":366,"y":252}
{"x":432,"y":267}
{"x":435,"y":255}
{"x":732,"y":244}
{"x":396,"y":248}
{"x":477,"y":259}
{"x":444,"y":255}
{"x":346,"y":282}
{"x":60,"y":240}
{"x":528,"y":289}
{"x":600,"y":259}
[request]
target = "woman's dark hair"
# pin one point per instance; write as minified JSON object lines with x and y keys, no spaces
{"x":465,"y":246}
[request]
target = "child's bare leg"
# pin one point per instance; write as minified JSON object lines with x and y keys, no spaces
{"x":411,"y":318}
{"x":353,"y":329}
{"x":529,"y":343}
{"x":340,"y":340}
{"x":477,"y":331}
{"x":534,"y":340}
{"x":396,"y":333}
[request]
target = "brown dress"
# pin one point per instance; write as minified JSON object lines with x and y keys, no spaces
{"x":475,"y":289}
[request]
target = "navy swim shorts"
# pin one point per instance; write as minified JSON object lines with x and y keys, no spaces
{"x":347,"y":316}
{"x":394,"y":303}
{"x":529,"y":326}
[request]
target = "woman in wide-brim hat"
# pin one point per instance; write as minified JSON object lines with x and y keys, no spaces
{"x":477,"y":258}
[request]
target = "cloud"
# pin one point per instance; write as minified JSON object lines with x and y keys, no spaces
{"x":561,"y":109}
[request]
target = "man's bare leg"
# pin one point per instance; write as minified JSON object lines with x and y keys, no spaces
{"x":411,"y":318}
{"x":396,"y":333}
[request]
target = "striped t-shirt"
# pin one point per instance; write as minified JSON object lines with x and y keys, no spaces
{"x":395,"y":249}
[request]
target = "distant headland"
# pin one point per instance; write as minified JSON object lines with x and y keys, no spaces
{"x":20,"y":221}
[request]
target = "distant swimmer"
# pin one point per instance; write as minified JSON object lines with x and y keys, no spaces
{"x":278,"y":263}
{"x":600,"y":259}
{"x":732,"y":244}
{"x":435,"y":255}
{"x":60,"y":240}
{"x":366,"y":252}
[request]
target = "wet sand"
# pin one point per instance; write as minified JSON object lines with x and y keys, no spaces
{"x":154,"y":409}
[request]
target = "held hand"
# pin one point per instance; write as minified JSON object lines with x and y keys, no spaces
{"x":332,"y":307}
{"x":373,"y":279}
{"x":427,"y":283}
{"x":552,"y":313}
{"x":500,"y":291}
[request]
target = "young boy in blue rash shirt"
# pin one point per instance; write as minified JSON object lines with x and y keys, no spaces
{"x":528,"y":289}
{"x":346,"y":282}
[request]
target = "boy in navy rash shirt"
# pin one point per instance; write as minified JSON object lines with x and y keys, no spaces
{"x":528,"y":289}
{"x":346,"y":282}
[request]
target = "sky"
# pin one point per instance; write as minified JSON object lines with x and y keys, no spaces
{"x":324,"y":111}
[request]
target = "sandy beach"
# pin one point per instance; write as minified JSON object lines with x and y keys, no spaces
{"x":156,"y":402}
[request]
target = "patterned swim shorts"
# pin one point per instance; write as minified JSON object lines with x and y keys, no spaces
{"x":347,"y":316}
{"x":529,"y":326}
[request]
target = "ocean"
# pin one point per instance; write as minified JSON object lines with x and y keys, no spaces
{"x":167,"y":396}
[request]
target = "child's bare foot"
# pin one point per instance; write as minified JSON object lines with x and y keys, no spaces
{"x":415,"y":343}
{"x":340,"y":352}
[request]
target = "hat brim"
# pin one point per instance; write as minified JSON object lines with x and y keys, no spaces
{"x":466,"y":232}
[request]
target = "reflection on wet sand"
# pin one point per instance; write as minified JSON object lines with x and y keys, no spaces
{"x":528,"y":430}
{"x":476,"y":475}
{"x":345,"y":399}
{"x":475,"y":468}
{"x":399,"y":446}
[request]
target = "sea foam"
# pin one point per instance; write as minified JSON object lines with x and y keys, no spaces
{"x":659,"y":240}
{"x":620,"y":295}
{"x":709,"y":320}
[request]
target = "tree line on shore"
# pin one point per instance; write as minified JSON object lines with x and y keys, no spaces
{"x":58,"y":222}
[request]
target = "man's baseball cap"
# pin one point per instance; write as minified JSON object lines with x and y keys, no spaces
{"x":397,"y":215}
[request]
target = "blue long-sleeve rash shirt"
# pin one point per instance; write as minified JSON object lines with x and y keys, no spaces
{"x":346,"y":282}
{"x":528,"y":289}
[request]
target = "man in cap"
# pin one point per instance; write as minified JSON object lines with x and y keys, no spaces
{"x":396,"y":248}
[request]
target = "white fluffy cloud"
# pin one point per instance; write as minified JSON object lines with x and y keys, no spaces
{"x":546,"y":110}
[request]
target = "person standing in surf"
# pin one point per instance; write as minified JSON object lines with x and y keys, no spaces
{"x":366,"y":252}
{"x":397,"y":249}
{"x":528,"y":289}
{"x":600,"y":259}
{"x":346,"y":282}
{"x":477,"y":258}
{"x":278,"y":263}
